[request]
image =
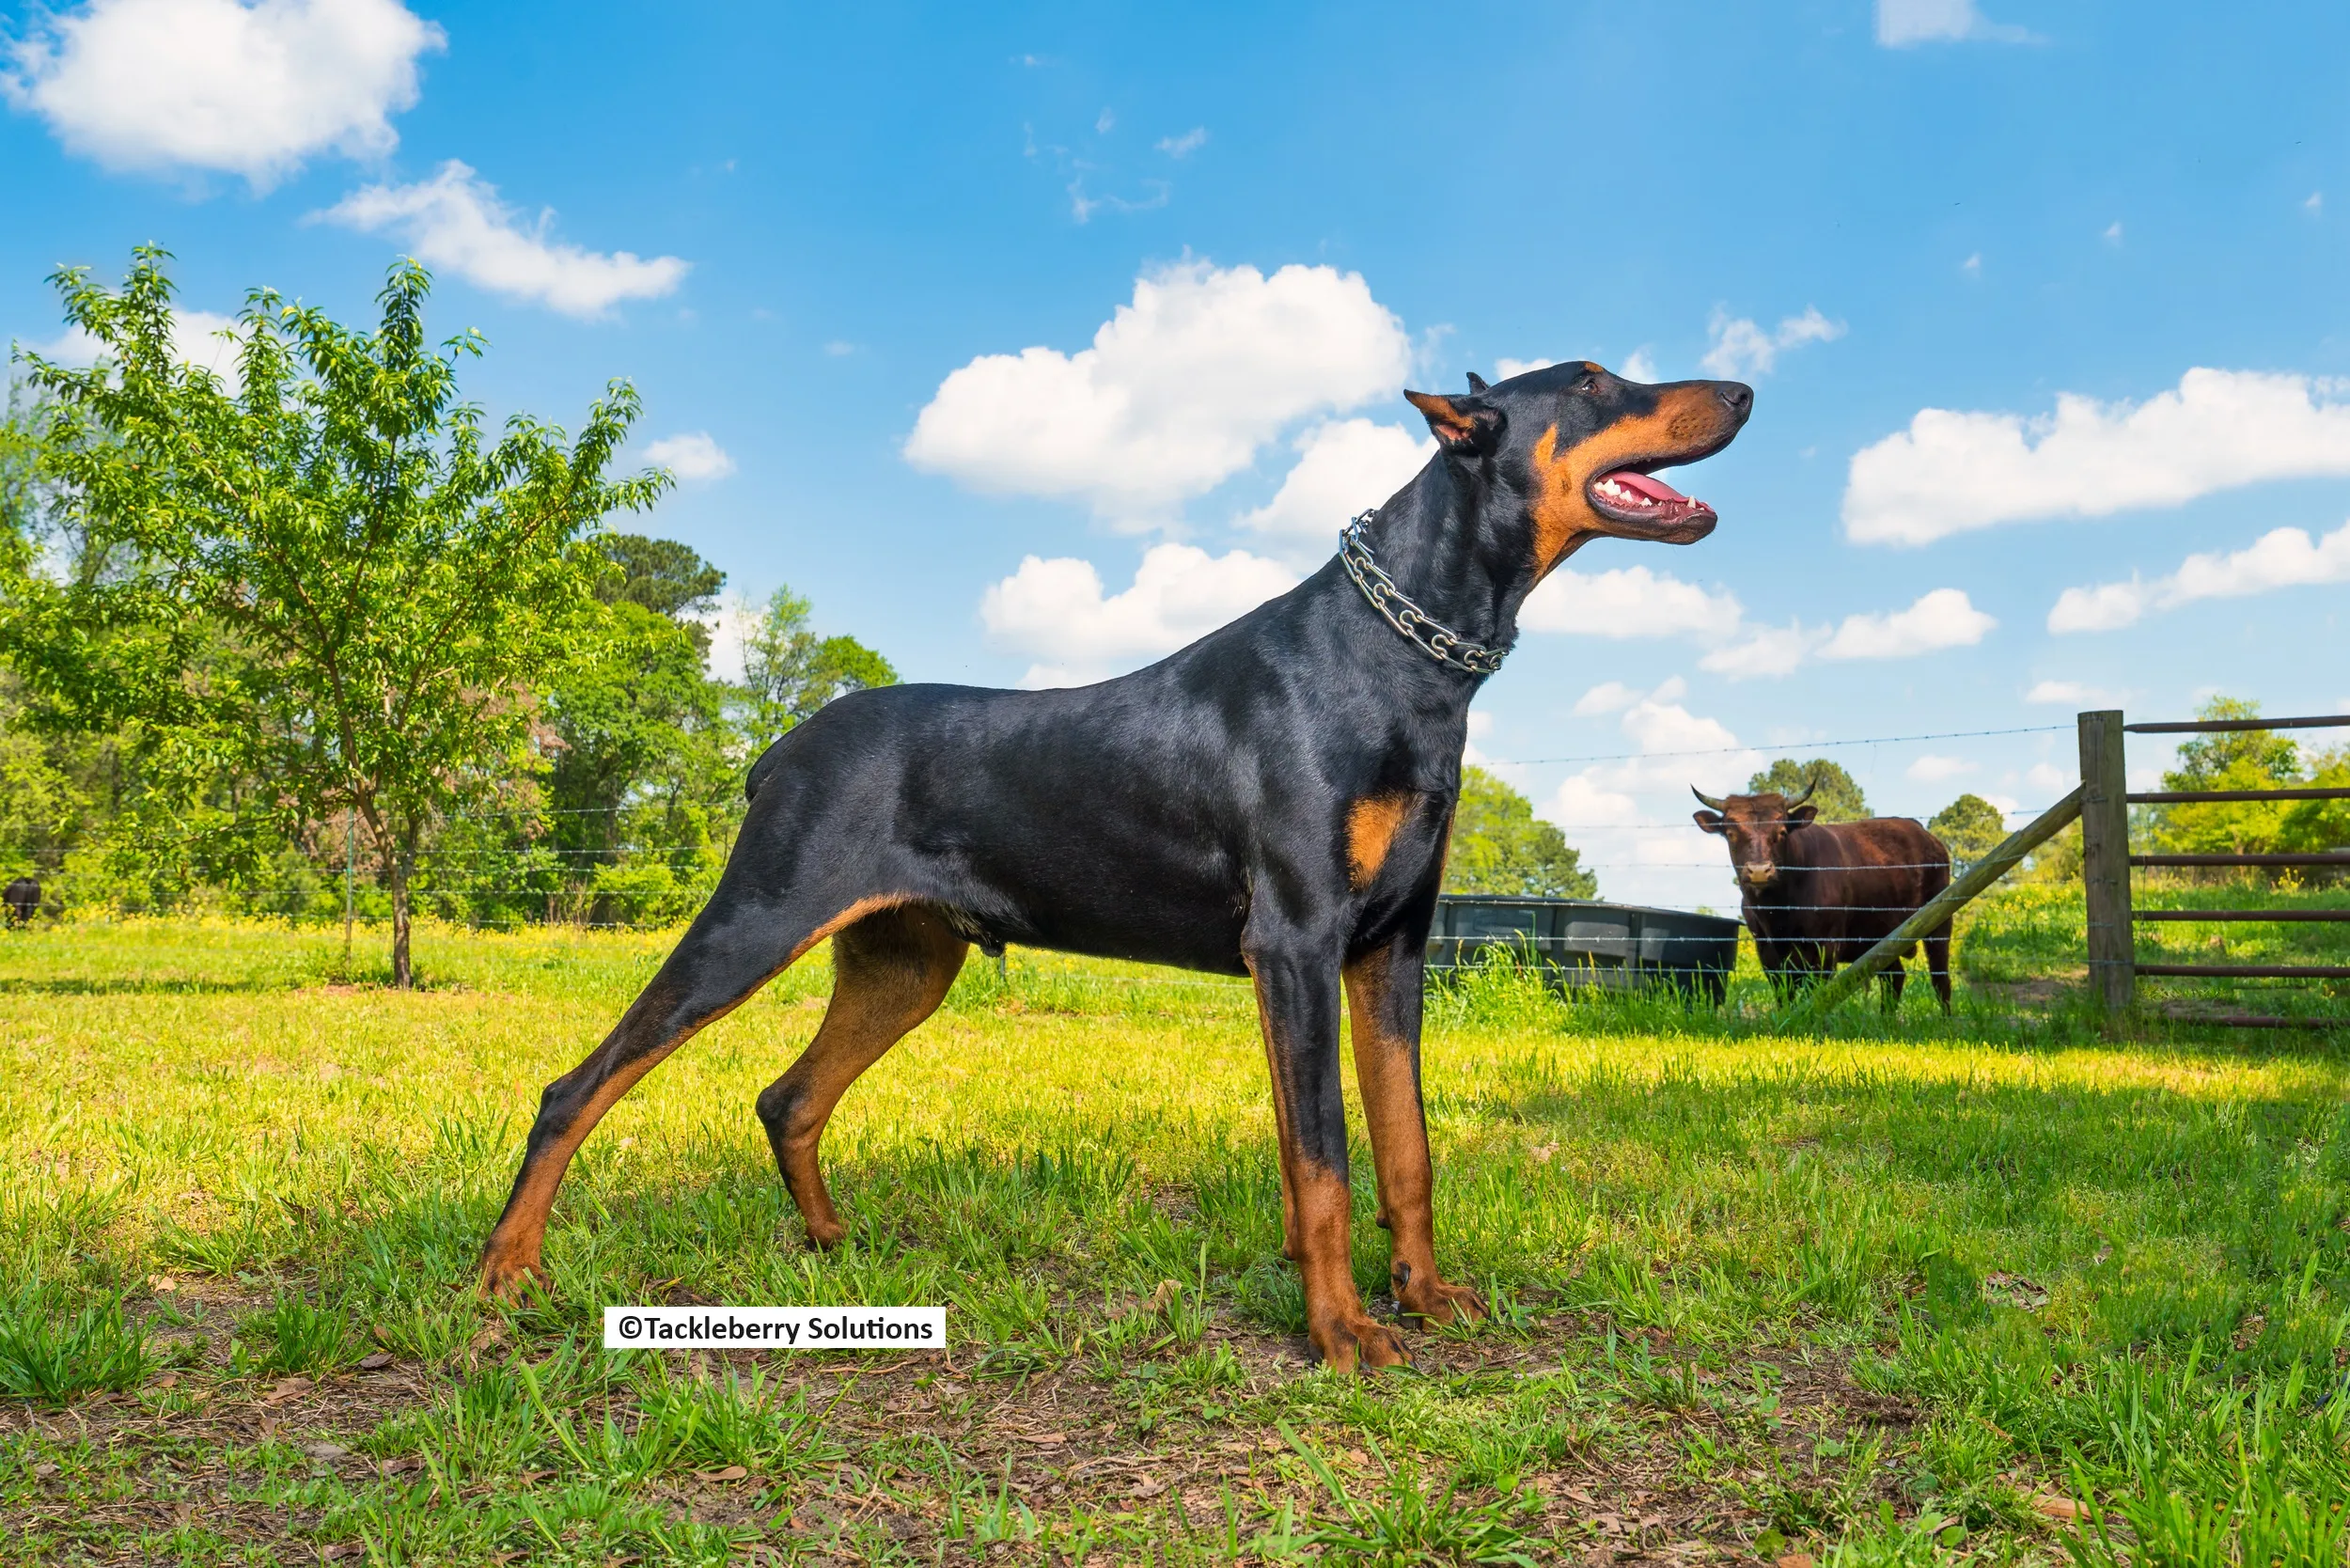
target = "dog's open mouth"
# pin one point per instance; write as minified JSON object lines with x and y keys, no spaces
{"x":1628,"y":495}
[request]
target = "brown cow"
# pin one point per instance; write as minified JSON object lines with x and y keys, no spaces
{"x":1818,"y":894}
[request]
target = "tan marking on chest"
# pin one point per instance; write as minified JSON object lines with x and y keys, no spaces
{"x":1371,"y":828}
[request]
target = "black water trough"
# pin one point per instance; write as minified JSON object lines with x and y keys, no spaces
{"x":1583,"y":942}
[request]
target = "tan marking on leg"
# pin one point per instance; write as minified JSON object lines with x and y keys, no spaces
{"x":513,"y":1253}
{"x":1399,"y":1149}
{"x":886,"y":982}
{"x":1290,"y":1245}
{"x":1372,"y":823}
{"x":1317,"y":1227}
{"x":848,"y":917}
{"x":1344,"y":1334}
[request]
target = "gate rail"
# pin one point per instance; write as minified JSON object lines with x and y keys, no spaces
{"x":2106,"y":863}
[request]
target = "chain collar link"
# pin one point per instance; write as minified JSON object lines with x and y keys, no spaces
{"x":1431,"y":636}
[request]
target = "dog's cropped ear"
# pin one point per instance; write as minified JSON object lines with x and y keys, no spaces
{"x":1463,"y":425}
{"x":1477,"y":383}
{"x":1709,"y":821}
{"x":1800,"y":816}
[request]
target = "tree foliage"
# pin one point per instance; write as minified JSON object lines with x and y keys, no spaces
{"x":789,"y":671}
{"x":326,"y":584}
{"x":1499,"y":846}
{"x":1969,"y":827}
{"x":1838,"y":796}
{"x":2251,"y":760}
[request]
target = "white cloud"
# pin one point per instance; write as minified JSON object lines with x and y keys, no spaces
{"x":1343,"y":465}
{"x":1741,"y":348}
{"x":455,"y":220}
{"x":2073,"y":695}
{"x":2049,"y":779}
{"x":1481,"y":725}
{"x":2113,"y":232}
{"x":1185,"y":145}
{"x":1905,"y":24}
{"x":1638,"y":365}
{"x":1180,"y":391}
{"x":1942,"y":618}
{"x":1630,"y":816}
{"x":1766,"y":650}
{"x":2282,"y":557}
{"x":195,"y":340}
{"x":1952,"y":471}
{"x":1972,"y":266}
{"x":252,"y":88}
{"x":2315,"y":204}
{"x":692,"y":457}
{"x":1609,"y":697}
{"x":1505,"y":366}
{"x":1931,"y":769}
{"x":1628,"y":602}
{"x":1057,"y":609}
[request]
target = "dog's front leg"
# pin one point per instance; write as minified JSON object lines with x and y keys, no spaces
{"x":1297,"y":1001}
{"x":1383,"y":993}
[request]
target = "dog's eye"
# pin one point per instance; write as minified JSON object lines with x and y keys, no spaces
{"x":1588,"y":384}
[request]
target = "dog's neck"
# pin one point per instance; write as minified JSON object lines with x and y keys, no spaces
{"x":1457,"y":544}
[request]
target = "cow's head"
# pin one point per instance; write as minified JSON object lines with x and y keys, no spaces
{"x":1581,"y":445}
{"x":1757,"y":828}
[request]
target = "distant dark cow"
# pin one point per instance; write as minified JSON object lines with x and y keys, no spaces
{"x":1818,"y":894}
{"x":23,"y":900}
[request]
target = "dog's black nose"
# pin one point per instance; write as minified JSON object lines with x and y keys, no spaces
{"x":1737,"y":394}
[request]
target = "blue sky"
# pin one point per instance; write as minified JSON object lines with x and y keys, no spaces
{"x":1031,"y":343}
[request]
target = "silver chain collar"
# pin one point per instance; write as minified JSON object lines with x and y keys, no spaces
{"x":1432,"y":637}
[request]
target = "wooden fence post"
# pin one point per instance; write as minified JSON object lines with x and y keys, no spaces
{"x":2106,"y":861}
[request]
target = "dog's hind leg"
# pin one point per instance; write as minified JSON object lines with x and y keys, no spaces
{"x":1383,"y":993}
{"x":1297,"y":1001}
{"x":734,"y":946}
{"x":890,"y":971}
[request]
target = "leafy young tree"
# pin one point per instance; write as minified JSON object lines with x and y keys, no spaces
{"x":661,"y":574}
{"x":1970,"y":827}
{"x":2230,"y":760}
{"x":789,"y":671}
{"x":1499,"y":846}
{"x":337,"y":589}
{"x":645,"y":766}
{"x":1838,"y":796}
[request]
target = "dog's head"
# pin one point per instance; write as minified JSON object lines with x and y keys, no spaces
{"x":1581,"y":445}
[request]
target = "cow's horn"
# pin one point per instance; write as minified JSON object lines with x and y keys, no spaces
{"x":1717,"y":805}
{"x":1811,"y":785}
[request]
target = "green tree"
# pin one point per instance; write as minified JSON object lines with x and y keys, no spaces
{"x":1499,"y":846}
{"x":2319,"y":824}
{"x":645,"y":762}
{"x":1970,"y":827}
{"x":330,"y":587}
{"x":661,"y":574}
{"x":2230,"y":759}
{"x":1837,"y":798}
{"x":789,"y":671}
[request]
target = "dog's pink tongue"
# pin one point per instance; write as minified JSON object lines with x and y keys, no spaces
{"x":1647,"y":485}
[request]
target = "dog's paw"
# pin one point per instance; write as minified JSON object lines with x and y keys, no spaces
{"x":824,"y":1234}
{"x":1434,"y":1301}
{"x":1358,"y":1341}
{"x":508,"y":1278}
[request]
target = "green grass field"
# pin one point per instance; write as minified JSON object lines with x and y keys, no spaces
{"x":1990,"y":1289}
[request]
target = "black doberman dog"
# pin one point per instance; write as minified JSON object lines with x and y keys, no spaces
{"x":1273,"y":801}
